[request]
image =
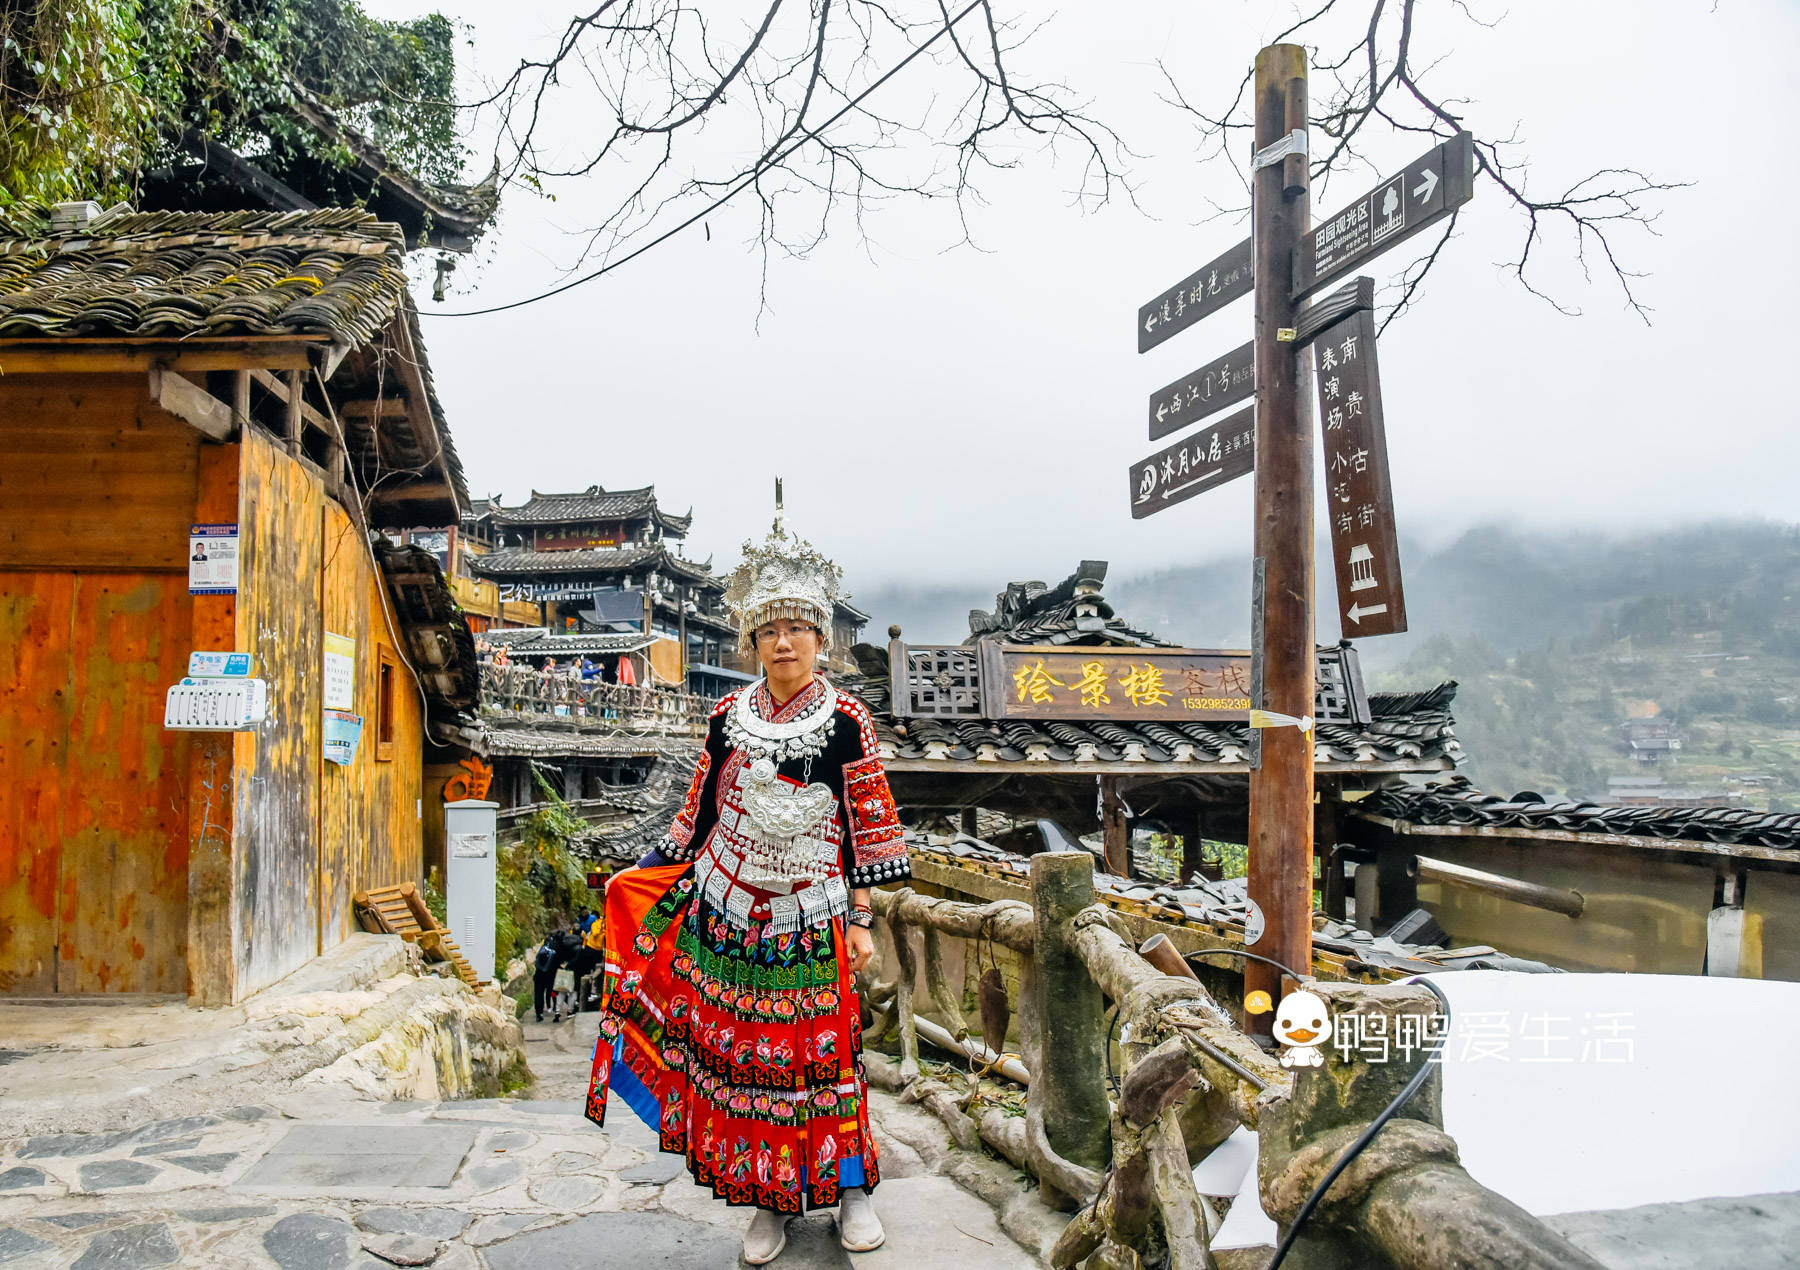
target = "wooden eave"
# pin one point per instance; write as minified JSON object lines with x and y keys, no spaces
{"x":1148,"y":768}
{"x":137,"y":354}
{"x":1691,"y":850}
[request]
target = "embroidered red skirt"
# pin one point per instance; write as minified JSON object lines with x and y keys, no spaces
{"x":742,"y":1050}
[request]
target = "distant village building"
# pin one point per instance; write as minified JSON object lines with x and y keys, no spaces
{"x":605,"y":569}
{"x":207,"y":423}
{"x":1650,"y":741}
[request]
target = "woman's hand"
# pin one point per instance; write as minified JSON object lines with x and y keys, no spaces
{"x":860,"y":945}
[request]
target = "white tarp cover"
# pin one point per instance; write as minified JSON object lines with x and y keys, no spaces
{"x":1582,"y":1092}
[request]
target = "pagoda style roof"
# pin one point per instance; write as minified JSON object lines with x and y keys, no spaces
{"x":586,"y":506}
{"x":524,"y":562}
{"x":1071,"y":612}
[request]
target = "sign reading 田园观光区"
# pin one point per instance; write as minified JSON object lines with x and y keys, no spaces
{"x":1023,"y":682}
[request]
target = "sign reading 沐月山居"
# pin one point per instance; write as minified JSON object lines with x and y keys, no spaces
{"x":1023,"y":682}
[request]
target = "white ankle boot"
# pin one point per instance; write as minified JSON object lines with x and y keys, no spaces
{"x":859,"y":1229}
{"x":766,"y":1237}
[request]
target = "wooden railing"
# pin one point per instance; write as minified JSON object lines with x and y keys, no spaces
{"x":518,"y":689}
{"x":1188,"y":1079}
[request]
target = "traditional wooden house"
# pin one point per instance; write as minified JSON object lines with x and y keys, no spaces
{"x":1056,"y":706}
{"x":176,"y":388}
{"x":604,"y":566}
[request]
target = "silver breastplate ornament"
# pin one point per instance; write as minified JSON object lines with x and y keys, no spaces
{"x":781,"y":821}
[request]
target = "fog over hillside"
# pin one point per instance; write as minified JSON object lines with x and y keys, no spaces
{"x":1554,"y":638}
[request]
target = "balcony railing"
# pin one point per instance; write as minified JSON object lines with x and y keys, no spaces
{"x":526,"y":691}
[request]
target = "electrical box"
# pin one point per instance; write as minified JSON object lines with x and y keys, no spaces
{"x":471,"y":881}
{"x":216,"y":705}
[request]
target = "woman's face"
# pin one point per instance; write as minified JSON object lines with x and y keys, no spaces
{"x":787,"y":649}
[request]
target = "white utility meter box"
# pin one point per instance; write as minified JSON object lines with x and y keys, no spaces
{"x":216,"y":705}
{"x":470,"y":880}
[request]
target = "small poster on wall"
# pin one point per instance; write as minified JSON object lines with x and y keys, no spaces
{"x":212,"y":559}
{"x":342,"y":731}
{"x":340,"y":672}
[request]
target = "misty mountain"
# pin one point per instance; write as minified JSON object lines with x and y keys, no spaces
{"x":1512,"y":589}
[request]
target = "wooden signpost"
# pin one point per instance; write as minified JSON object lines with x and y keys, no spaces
{"x":1216,"y":385}
{"x":1207,"y":290}
{"x":1359,"y":499}
{"x":1205,"y":460}
{"x":1285,"y":261}
{"x":1428,"y":189}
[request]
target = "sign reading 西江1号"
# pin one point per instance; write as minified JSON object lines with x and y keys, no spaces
{"x":1023,"y":682}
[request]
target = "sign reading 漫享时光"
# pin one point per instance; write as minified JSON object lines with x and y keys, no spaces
{"x":1428,"y":189}
{"x":1117,"y":684}
{"x":1223,"y":382}
{"x":1207,"y":290}
{"x":1195,"y":464}
{"x":1359,"y":499}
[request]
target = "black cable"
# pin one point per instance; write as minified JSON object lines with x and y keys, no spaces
{"x":733,"y":192}
{"x":1267,"y":961}
{"x":1367,"y":1136}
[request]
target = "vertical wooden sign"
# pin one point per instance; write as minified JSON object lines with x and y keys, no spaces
{"x":1359,"y":497}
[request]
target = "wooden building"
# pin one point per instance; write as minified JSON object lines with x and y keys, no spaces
{"x":604,"y":565}
{"x":256,"y":371}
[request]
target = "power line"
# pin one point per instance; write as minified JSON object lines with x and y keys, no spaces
{"x":740,"y":187}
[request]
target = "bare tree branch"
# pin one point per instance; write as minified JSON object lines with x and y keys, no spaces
{"x":1377,"y":77}
{"x":784,"y":83}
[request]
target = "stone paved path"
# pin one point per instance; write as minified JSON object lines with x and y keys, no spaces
{"x":321,"y":1180}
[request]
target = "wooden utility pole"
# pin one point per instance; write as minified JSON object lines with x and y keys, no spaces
{"x":1281,"y":786}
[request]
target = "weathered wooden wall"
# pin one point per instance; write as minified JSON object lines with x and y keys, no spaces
{"x":370,"y":830}
{"x":276,"y":860}
{"x":161,"y":861}
{"x":97,"y":489}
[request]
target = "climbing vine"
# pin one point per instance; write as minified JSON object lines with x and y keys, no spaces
{"x":95,"y":93}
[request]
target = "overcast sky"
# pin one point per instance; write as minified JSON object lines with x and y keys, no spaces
{"x":968,"y":416}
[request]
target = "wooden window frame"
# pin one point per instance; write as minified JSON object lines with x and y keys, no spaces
{"x":387,"y":675}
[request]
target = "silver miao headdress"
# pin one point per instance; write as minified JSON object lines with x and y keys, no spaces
{"x":783,"y":576}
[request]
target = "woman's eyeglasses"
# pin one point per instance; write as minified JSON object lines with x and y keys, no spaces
{"x":773,"y":634}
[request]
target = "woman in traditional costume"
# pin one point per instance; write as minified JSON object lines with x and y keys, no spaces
{"x":730,"y":1020}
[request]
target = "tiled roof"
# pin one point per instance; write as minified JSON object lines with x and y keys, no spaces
{"x":440,"y":644}
{"x":1460,"y":803}
{"x":523,"y":562}
{"x":523,"y":740}
{"x":541,"y":643}
{"x":1225,"y":903}
{"x":1071,"y":612}
{"x":591,"y":504}
{"x":1407,"y":728}
{"x":336,"y":272}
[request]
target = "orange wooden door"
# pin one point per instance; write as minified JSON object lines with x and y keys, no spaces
{"x":34,"y":675}
{"x":93,"y":837}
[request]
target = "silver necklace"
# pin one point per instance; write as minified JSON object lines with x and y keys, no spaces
{"x":803,"y":736}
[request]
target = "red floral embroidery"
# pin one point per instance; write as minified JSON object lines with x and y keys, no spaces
{"x":682,"y":831}
{"x":875,"y":830}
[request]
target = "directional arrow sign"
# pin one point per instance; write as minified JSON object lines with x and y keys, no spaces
{"x":1203,"y":461}
{"x":1221,"y":383}
{"x":1210,"y":289}
{"x":1429,"y":188}
{"x":1359,"y":499}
